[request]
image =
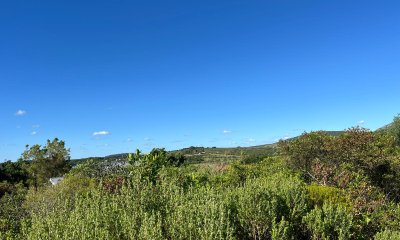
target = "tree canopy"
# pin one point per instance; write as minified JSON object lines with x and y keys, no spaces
{"x":44,"y":162}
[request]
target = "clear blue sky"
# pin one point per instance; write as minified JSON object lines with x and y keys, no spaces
{"x":112,"y":76}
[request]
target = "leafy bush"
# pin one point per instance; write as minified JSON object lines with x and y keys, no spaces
{"x":329,"y":222}
{"x":389,"y":217}
{"x":46,"y":199}
{"x":198,"y":214}
{"x":388,"y":235}
{"x":257,"y":209}
{"x":275,"y":204}
{"x":321,"y":194}
{"x":140,"y":210}
{"x":11,"y":211}
{"x":282,"y":230}
{"x":148,"y":165}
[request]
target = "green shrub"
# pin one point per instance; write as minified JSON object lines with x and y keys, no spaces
{"x":389,"y":217}
{"x":329,"y":222}
{"x":257,"y":208}
{"x":321,"y":194}
{"x":11,"y":211}
{"x":198,"y":214}
{"x":388,"y":235}
{"x":236,"y":174}
{"x":292,"y":190}
{"x":139,"y":210}
{"x":281,"y":230}
{"x":48,"y":198}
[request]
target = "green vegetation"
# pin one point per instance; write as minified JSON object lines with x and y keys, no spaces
{"x":316,"y":186}
{"x":42,"y":163}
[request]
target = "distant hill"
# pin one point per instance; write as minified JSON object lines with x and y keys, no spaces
{"x":214,"y":154}
{"x":222,"y":155}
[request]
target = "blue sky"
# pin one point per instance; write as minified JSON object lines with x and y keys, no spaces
{"x":112,"y":76}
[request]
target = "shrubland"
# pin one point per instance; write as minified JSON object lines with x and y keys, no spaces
{"x":317,"y":186}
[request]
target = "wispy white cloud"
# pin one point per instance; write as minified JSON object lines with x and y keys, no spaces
{"x":129,"y":140}
{"x":227,"y":131}
{"x":33,"y":133}
{"x":101,"y":133}
{"x":361,"y":122}
{"x":20,"y":113}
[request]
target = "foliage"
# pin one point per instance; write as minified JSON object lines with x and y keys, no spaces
{"x":388,"y":235}
{"x":257,"y":209}
{"x":12,"y":172}
{"x":320,"y":187}
{"x":148,"y":165}
{"x":302,"y":151}
{"x":389,"y":217}
{"x":42,"y":163}
{"x":321,"y":194}
{"x":49,"y":198}
{"x":281,"y":230}
{"x":208,"y":220}
{"x":326,"y":160}
{"x":329,"y":222}
{"x":236,"y":174}
{"x":138,"y":211}
{"x":392,"y":129}
{"x":264,"y":207}
{"x":11,"y":212}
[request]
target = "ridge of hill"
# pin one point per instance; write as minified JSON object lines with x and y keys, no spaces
{"x":214,"y":154}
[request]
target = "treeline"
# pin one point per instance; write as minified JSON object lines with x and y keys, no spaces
{"x":319,"y":186}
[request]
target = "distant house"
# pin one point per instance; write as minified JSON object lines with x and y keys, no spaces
{"x":56,"y":180}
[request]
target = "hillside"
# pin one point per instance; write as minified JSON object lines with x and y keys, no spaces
{"x":211,"y":155}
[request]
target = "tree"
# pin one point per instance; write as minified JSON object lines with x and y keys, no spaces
{"x":12,"y":172}
{"x":303,"y":151}
{"x":45,"y":162}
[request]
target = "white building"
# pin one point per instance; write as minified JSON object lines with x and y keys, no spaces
{"x":56,"y":180}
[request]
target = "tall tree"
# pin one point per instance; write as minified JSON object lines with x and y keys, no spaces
{"x":45,"y":162}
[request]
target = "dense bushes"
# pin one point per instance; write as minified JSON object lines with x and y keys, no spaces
{"x":320,"y":187}
{"x":266,"y":206}
{"x":139,"y":211}
{"x":257,"y":201}
{"x":11,"y":212}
